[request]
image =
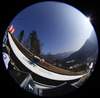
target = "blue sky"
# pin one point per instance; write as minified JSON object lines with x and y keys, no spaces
{"x":59,"y":26}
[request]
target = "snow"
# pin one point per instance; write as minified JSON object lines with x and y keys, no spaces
{"x":39,"y":70}
{"x":91,"y":65}
{"x":70,"y":61}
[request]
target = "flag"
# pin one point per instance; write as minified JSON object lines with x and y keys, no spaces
{"x":11,"y":29}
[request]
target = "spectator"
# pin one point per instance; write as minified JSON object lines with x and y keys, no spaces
{"x":6,"y":57}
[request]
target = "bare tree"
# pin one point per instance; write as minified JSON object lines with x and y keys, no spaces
{"x":26,"y":43}
{"x":20,"y":36}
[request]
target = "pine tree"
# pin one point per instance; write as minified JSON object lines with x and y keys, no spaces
{"x":35,"y":46}
{"x":20,"y":36}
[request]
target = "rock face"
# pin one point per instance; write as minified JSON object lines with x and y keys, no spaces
{"x":88,"y":50}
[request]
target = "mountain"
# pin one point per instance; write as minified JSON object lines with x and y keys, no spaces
{"x":58,"y":56}
{"x":89,"y":49}
{"x":63,"y":55}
